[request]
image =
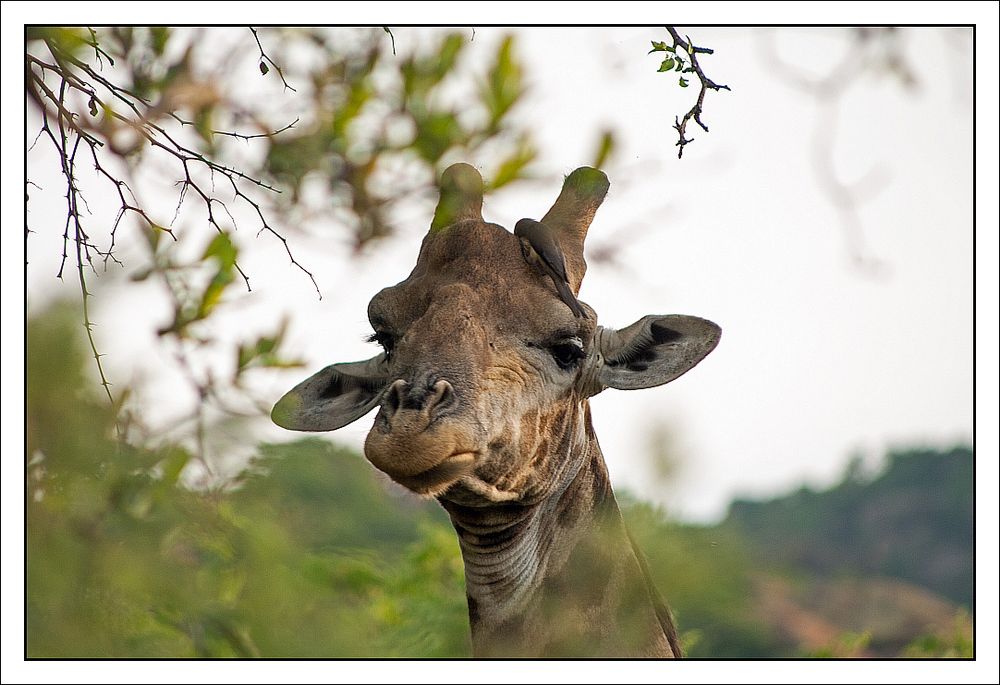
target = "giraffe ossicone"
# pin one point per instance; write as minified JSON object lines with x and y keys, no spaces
{"x":482,"y":388}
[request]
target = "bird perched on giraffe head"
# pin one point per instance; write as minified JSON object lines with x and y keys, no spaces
{"x":542,"y":252}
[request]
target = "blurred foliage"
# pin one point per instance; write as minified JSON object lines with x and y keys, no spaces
{"x":302,"y":557}
{"x":696,"y":570}
{"x":307,"y":553}
{"x":846,"y":646}
{"x":955,"y":643}
{"x":375,"y":114}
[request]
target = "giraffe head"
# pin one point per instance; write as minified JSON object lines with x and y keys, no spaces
{"x":483,"y":379}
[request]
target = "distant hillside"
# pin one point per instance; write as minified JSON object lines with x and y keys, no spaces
{"x":912,"y":522}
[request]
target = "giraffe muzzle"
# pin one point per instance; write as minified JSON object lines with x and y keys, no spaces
{"x":418,"y":440}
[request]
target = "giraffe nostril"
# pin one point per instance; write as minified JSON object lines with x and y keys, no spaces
{"x":402,"y":397}
{"x":394,"y":397}
{"x":442,"y":396}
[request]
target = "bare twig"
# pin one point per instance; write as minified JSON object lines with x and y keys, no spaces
{"x":240,"y":136}
{"x":391,"y":37}
{"x":36,"y":83}
{"x":98,"y":51}
{"x":125,"y":206}
{"x":68,"y":161}
{"x":264,"y":58}
{"x":157,"y":136}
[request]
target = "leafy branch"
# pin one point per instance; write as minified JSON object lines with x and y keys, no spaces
{"x":122,"y":105}
{"x":194,"y":299}
{"x":76,"y":76}
{"x":682,"y":57}
{"x":65,"y":88}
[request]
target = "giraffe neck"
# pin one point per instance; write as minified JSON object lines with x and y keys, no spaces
{"x":559,"y":576}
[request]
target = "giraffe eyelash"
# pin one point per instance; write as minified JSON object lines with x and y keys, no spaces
{"x":386,"y":340}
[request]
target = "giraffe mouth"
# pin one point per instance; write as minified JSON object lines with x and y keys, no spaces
{"x":440,"y":477}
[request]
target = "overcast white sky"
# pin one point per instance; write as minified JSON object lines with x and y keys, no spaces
{"x":816,"y":361}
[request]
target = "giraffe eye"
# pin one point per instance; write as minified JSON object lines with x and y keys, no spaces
{"x":567,"y":353}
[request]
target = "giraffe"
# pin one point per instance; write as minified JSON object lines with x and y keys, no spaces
{"x":482,"y":390}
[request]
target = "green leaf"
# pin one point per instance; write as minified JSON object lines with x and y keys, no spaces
{"x":263,"y":346}
{"x":264,"y":353}
{"x":504,"y":85}
{"x":683,"y":82}
{"x":221,"y":248}
{"x":667,"y":64}
{"x":658,"y":46}
{"x":437,"y":132}
{"x":263,"y":68}
{"x":422,"y":74}
{"x":604,"y":149}
{"x":203,"y":125}
{"x":71,"y":40}
{"x":213,"y":292}
{"x":448,"y":54}
{"x":360,"y":93}
{"x":244,"y":355}
{"x":174,"y":463}
{"x":160,"y":36}
{"x":511,"y":168}
{"x":680,"y":64}
{"x":152,"y":234}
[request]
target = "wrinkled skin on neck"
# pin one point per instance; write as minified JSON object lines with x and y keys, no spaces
{"x":558,"y":577}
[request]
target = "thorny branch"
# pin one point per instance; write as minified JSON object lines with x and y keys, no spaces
{"x":240,"y":136}
{"x":67,"y":158}
{"x":690,"y":49}
{"x":155,"y":135}
{"x":265,"y":60}
{"x":79,"y":87}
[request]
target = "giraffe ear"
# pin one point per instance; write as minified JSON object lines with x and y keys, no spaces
{"x":333,"y":397}
{"x":654,"y":350}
